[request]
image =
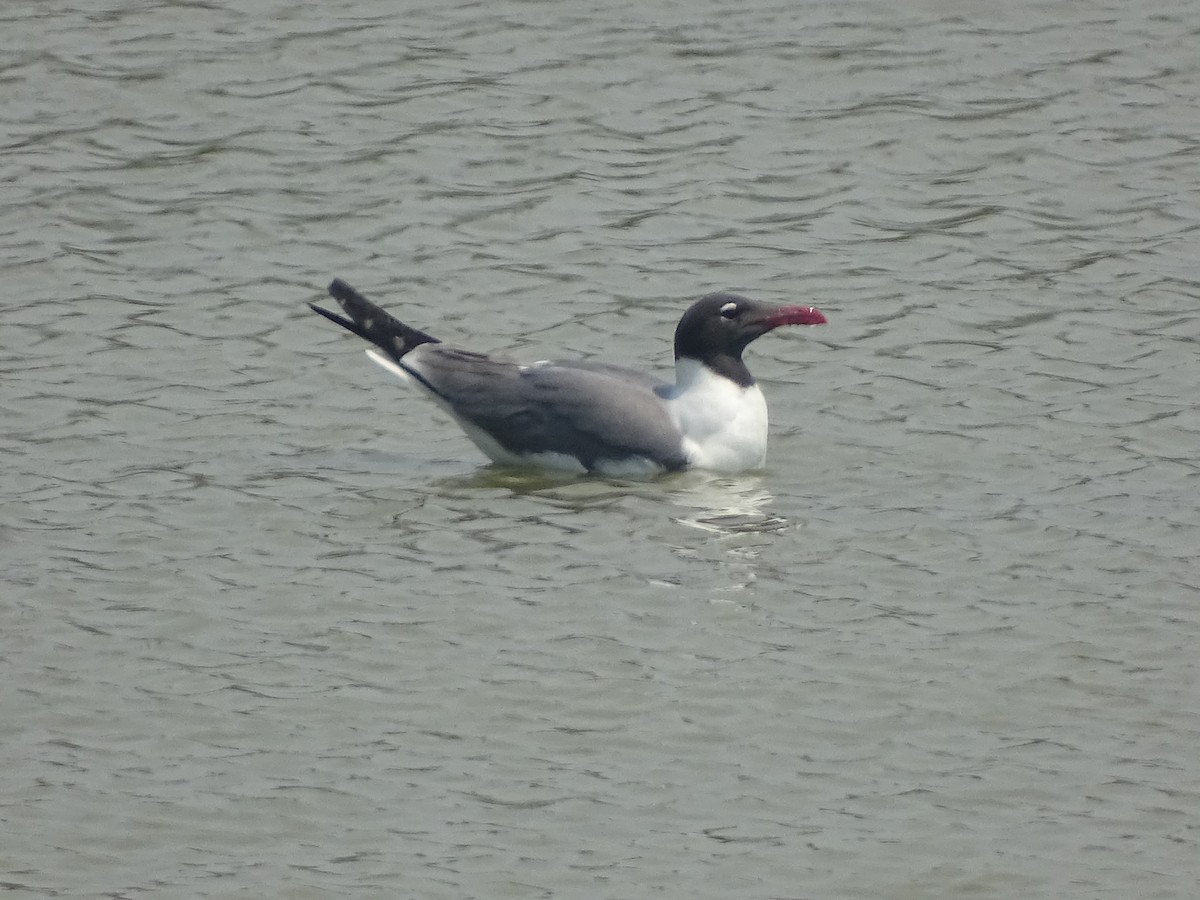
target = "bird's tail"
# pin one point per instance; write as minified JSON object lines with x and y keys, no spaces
{"x":368,"y":321}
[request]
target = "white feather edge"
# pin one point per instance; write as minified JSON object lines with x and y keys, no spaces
{"x":391,"y":365}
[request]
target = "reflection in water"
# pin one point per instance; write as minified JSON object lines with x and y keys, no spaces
{"x":518,"y":481}
{"x":727,"y":504}
{"x":718,"y":504}
{"x":693,"y":529}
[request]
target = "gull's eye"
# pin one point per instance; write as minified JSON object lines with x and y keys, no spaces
{"x":729,"y":310}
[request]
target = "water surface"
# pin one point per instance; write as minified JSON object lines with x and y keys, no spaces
{"x":270,"y":626}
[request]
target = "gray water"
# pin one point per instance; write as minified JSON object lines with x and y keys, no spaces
{"x":270,"y":627}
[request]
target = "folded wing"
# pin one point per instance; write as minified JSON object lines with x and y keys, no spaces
{"x":595,"y":413}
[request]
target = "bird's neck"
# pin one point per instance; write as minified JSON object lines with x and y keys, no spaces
{"x":724,"y":364}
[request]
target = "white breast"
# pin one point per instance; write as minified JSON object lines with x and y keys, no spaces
{"x":724,"y":426}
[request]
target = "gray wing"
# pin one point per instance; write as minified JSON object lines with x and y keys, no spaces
{"x":591,"y":411}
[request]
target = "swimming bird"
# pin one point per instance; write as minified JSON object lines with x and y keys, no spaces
{"x":594,"y":417}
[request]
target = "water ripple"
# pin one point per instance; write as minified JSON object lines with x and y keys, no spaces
{"x":274,"y":616}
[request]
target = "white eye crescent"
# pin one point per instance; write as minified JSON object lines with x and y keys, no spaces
{"x":729,"y":310}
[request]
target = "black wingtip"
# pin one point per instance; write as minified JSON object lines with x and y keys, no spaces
{"x":348,"y":324}
{"x":370,"y":322}
{"x":340,"y":290}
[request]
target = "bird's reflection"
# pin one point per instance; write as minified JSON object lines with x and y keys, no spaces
{"x":717,"y":504}
{"x":726,"y":505}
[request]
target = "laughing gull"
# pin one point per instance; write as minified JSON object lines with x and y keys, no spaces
{"x":591,"y":417}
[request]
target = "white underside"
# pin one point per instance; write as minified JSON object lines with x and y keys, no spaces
{"x":724,"y":426}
